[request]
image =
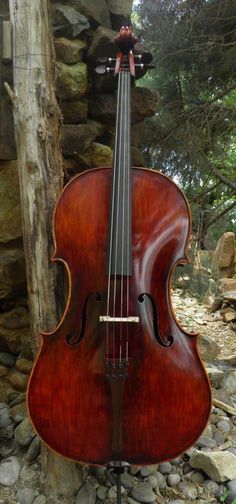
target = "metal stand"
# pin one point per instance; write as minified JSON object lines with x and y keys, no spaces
{"x":118,"y":468}
{"x":118,"y":471}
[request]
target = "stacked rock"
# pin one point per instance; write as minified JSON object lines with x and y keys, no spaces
{"x":204,"y":474}
{"x":83,"y":32}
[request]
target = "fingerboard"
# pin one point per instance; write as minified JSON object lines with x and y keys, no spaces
{"x":119,"y":258}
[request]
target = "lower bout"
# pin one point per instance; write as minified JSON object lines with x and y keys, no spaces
{"x":163,"y":436}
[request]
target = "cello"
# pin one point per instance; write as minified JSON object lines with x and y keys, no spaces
{"x":118,"y":381}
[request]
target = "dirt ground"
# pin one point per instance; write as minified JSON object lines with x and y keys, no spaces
{"x":195,"y":317}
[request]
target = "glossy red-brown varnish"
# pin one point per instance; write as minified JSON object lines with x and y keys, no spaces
{"x":166,"y":399}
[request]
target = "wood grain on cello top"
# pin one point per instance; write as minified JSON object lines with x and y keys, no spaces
{"x":166,"y":401}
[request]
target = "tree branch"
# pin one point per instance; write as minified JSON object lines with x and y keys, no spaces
{"x":204,"y":193}
{"x":221,"y":177}
{"x":218,"y":216}
{"x":10,"y":93}
{"x":185,"y":116}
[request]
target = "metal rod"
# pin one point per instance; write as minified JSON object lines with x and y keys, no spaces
{"x":118,"y":487}
{"x":117,"y":467}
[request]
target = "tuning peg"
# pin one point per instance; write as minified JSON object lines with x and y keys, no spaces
{"x":144,"y":66}
{"x":102,"y":60}
{"x":144,"y":58}
{"x":102,"y":69}
{"x":148,"y":65}
{"x":106,"y":60}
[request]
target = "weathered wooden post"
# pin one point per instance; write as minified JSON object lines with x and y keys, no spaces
{"x":37,"y":121}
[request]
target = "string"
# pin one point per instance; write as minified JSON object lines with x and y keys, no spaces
{"x":121,"y":114}
{"x":112,"y":215}
{"x":119,"y":190}
{"x":128,"y":220}
{"x":126,"y":143}
{"x":123,"y":218}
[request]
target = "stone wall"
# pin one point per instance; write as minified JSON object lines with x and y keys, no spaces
{"x":15,"y":337}
{"x":84,"y":30}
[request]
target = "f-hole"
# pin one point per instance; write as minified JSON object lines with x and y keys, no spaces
{"x":169,"y":340}
{"x":76,"y":336}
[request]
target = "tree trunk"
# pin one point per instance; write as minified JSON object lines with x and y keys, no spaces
{"x":37,"y":121}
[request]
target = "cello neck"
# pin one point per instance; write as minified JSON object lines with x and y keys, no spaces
{"x":119,"y":257}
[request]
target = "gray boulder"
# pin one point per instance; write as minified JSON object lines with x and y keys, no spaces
{"x":9,"y":471}
{"x":224,"y":254}
{"x":103,"y":44}
{"x":10,"y":211}
{"x":220,"y":466}
{"x":71,"y":81}
{"x":12,"y":272}
{"x":189,"y":489}
{"x":77,"y":138}
{"x":209,"y":349}
{"x":68,"y":22}
{"x":12,"y":333}
{"x":137,"y":157}
{"x":5,"y":420}
{"x":74,"y":112}
{"x":96,"y":12}
{"x":24,"y":432}
{"x":143,"y":493}
{"x":231,"y":485}
{"x":120,"y":11}
{"x":25,"y":496}
{"x":7,"y":359}
{"x":86,"y":494}
{"x":229,"y":382}
{"x":96,"y":155}
{"x":144,"y":103}
{"x":41,"y":499}
{"x":33,"y":451}
{"x":69,"y":51}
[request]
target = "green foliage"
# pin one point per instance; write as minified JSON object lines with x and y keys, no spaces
{"x":194,"y":47}
{"x":224,"y":496}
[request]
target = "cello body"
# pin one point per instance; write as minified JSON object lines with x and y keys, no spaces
{"x":159,"y":406}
